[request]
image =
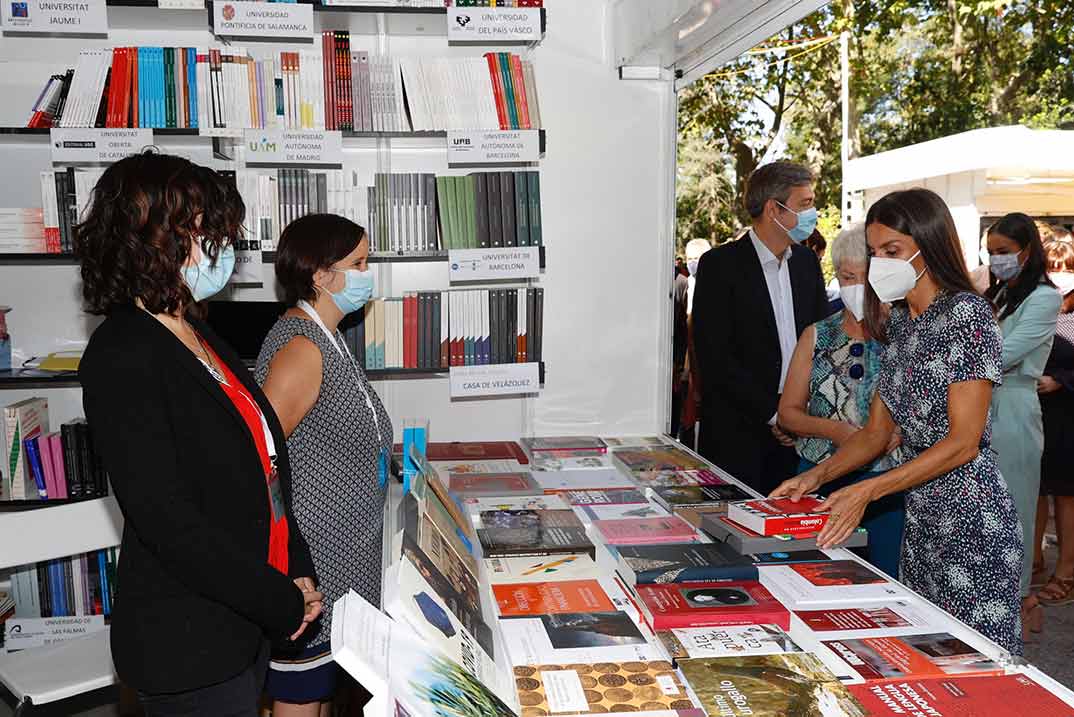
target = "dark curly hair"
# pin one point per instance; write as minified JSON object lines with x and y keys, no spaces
{"x":308,"y":244}
{"x":146,"y":211}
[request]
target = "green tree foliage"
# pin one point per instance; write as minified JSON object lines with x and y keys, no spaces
{"x":919,"y":70}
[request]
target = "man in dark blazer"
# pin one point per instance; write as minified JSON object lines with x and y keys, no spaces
{"x":754,"y":297}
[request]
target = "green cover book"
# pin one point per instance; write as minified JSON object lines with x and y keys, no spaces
{"x":443,"y":196}
{"x":533,"y":189}
{"x":169,"y":87}
{"x":522,"y":224}
{"x":469,"y":210}
{"x":503,"y":62}
{"x":481,"y":209}
{"x":453,"y":211}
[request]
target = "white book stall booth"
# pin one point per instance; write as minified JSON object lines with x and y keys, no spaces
{"x":607,"y":73}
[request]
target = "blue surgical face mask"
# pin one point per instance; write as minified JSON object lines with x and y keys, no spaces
{"x":1005,"y":266}
{"x":357,"y":290}
{"x":807,"y":222}
{"x":204,"y":279}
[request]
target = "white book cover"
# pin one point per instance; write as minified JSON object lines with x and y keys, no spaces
{"x":576,"y":638}
{"x":588,"y":513}
{"x":701,"y":642}
{"x":201,"y":77}
{"x":540,"y":569}
{"x":828,"y":584}
{"x":593,"y":479}
{"x":400,"y":122}
{"x":486,"y":324}
{"x":410,"y":67}
{"x":491,"y":117}
{"x":393,"y":663}
{"x":552,"y":463}
{"x":317,"y":80}
{"x":410,"y":599}
{"x":22,"y":420}
{"x":885,"y":619}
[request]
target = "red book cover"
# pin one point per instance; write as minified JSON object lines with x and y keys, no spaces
{"x":520,"y":92}
{"x":564,"y":596}
{"x":328,"y":61}
{"x":497,"y":90}
{"x":412,"y":330}
{"x":646,"y":531}
{"x":745,"y":602}
{"x":460,"y":451}
{"x":134,"y":87}
{"x":898,"y":658}
{"x":496,"y":484}
{"x":778,"y":516}
{"x":960,"y":697}
{"x":111,"y":116}
{"x":337,"y":76}
{"x":346,"y":83}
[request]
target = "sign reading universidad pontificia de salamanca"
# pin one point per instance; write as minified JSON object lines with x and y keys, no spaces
{"x":274,"y":147}
{"x":75,"y":145}
{"x":502,"y":379}
{"x":491,"y":25}
{"x":515,"y":146}
{"x":66,"y":17}
{"x":276,"y":20}
{"x":516,"y":262}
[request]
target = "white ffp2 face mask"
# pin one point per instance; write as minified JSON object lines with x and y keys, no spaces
{"x":1063,"y":280}
{"x":892,"y":279}
{"x":853,"y":297}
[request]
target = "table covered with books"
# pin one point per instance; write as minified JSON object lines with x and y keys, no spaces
{"x":583,"y":575}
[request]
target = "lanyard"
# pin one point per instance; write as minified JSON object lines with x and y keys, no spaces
{"x":270,"y":443}
{"x":342,"y":349}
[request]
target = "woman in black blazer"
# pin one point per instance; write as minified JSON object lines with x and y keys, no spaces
{"x":211,"y":568}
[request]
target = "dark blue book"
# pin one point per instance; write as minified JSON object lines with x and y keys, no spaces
{"x":33,"y":455}
{"x":682,"y":563}
{"x":106,"y":596}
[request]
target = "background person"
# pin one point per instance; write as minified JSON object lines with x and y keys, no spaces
{"x":754,"y":297}
{"x":211,"y":563}
{"x":1056,"y":390}
{"x":338,"y":434}
{"x":1026,"y":305}
{"x":962,"y":544}
{"x":830,"y":386}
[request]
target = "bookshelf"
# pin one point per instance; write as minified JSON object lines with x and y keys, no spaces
{"x":34,"y":379}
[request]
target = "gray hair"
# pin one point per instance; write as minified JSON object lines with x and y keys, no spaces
{"x":849,"y":246}
{"x":697,"y":247}
{"x":774,"y":181}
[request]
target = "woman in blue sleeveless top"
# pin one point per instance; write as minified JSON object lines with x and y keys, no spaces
{"x":830,"y":384}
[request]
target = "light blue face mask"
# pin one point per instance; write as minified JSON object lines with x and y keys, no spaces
{"x":357,"y":290}
{"x":807,"y":222}
{"x":204,"y":279}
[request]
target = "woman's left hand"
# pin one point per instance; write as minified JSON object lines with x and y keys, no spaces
{"x":847,"y":506}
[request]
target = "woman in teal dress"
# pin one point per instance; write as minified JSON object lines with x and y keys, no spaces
{"x":1027,"y":306}
{"x":830,"y":385}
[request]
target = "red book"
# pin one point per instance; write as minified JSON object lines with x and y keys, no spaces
{"x":59,"y":470}
{"x":778,"y":516}
{"x":899,"y":658}
{"x":111,"y":117}
{"x":485,"y":451}
{"x":468,"y":485}
{"x":563,"y":596}
{"x":646,"y":531}
{"x":134,"y":87}
{"x":346,"y":84}
{"x":410,"y":325}
{"x":746,"y":602}
{"x":960,"y":697}
{"x":497,"y":90}
{"x":328,"y":66}
{"x":515,"y":63}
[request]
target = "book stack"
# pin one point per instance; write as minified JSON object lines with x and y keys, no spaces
{"x":22,"y":231}
{"x":328,"y":87}
{"x":78,"y":585}
{"x":65,"y":195}
{"x":402,"y":211}
{"x":490,"y":209}
{"x":435,"y":330}
{"x":39,"y":465}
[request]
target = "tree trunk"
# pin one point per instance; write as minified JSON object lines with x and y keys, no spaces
{"x":958,"y":44}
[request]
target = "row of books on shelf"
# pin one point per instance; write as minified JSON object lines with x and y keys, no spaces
{"x":73,"y":586}
{"x":437,"y":330}
{"x":535,"y":583}
{"x":331,"y":87}
{"x":403,"y":213}
{"x":437,"y":3}
{"x":43,"y":465}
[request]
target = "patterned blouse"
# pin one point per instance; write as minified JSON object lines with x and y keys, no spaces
{"x":841,"y":387}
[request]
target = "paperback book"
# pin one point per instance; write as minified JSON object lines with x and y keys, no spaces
{"x":612,"y":496}
{"x":582,"y":637}
{"x":882,"y":620}
{"x":699,"y":642}
{"x":657,"y":458}
{"x":634,"y":441}
{"x":476,"y":485}
{"x":532,"y":532}
{"x":590,"y":513}
{"x":662,"y":478}
{"x":602,"y":688}
{"x":551,"y":598}
{"x":471,"y":451}
{"x":463,"y":467}
{"x":794,"y":683}
{"x":710,"y":604}
{"x":690,"y":496}
{"x":550,"y":463}
{"x":574,"y":446}
{"x":898,"y":658}
{"x":834,"y":582}
{"x":961,"y":696}
{"x":593,"y":479}
{"x":476,"y":506}
{"x":552,"y":568}
{"x":680,"y":563}
{"x":645,"y":531}
{"x":744,"y":540}
{"x":779,"y":516}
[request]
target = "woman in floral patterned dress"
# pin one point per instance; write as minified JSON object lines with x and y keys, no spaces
{"x":963,"y":545}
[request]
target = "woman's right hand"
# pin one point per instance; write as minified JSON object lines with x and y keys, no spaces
{"x":800,"y":485}
{"x":313,"y":602}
